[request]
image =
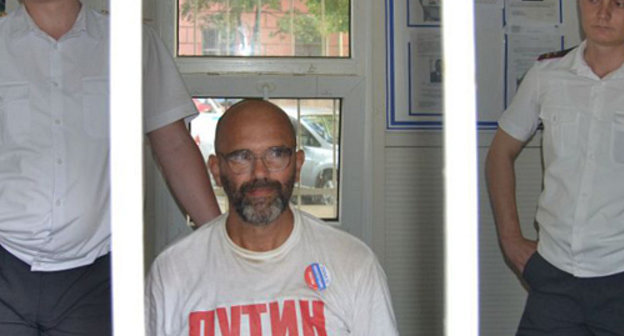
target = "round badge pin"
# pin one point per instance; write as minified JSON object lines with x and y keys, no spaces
{"x":317,"y":276}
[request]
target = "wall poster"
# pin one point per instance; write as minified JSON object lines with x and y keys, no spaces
{"x":509,"y":35}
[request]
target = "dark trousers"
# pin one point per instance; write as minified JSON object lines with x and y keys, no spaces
{"x":70,"y":302}
{"x":560,"y":304}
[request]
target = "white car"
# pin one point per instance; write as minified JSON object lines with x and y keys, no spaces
{"x":321,"y":158}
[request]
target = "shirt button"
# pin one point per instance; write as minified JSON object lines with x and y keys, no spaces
{"x":55,"y":84}
{"x":57,"y":122}
{"x":59,"y":161}
{"x":58,"y":203}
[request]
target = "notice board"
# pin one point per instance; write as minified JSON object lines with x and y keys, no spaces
{"x":509,"y":36}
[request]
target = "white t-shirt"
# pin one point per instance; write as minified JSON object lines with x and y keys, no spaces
{"x":581,"y":208}
{"x":320,"y":281}
{"x":54,"y":135}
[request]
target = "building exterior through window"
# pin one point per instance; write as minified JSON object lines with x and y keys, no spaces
{"x":261,"y":28}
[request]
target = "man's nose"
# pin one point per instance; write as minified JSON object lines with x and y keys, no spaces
{"x":604,"y":11}
{"x":259,"y":168}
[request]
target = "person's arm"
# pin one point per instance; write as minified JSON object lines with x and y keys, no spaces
{"x":501,"y":181}
{"x":185,"y":171}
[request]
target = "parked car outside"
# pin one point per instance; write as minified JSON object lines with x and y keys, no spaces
{"x":321,"y":158}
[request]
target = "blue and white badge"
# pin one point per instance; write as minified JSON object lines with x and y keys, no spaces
{"x":317,"y":276}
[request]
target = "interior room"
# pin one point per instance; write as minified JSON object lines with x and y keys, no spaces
{"x":364,"y":89}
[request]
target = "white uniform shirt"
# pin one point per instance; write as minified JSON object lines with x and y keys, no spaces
{"x":581,"y":209}
{"x":207,"y":285}
{"x":54,"y":136}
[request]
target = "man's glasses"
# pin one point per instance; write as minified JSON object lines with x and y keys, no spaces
{"x":242,"y":161}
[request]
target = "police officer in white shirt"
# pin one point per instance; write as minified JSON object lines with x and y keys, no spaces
{"x":575,"y":271}
{"x":54,"y":176}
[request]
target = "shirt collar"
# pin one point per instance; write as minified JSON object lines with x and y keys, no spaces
{"x":616,"y":74}
{"x":23,"y":24}
{"x":85,"y":22}
{"x":581,"y":67}
{"x":268,"y":255}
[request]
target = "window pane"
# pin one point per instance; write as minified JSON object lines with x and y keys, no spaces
{"x":287,"y":28}
{"x":317,"y":123}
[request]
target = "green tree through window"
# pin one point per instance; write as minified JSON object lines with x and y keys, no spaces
{"x":270,"y":27}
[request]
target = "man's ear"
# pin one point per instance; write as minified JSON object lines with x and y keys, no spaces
{"x":213,"y":166}
{"x":299,"y":160}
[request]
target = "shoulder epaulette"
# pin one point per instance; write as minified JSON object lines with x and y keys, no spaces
{"x":554,"y":54}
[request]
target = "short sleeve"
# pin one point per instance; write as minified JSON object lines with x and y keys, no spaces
{"x":521,"y":118}
{"x":373,"y":313}
{"x":165,"y":98}
{"x":154,"y":298}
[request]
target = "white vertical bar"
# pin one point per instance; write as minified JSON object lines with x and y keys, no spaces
{"x":126,"y":167}
{"x":461,"y":258}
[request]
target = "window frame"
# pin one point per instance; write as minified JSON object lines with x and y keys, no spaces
{"x":281,"y":77}
{"x":349,"y":89}
{"x":167,"y":16}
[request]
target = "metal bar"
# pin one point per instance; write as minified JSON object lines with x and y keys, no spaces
{"x":126,"y":168}
{"x":461,"y":217}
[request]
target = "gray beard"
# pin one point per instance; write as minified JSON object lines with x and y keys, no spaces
{"x":260,"y":215}
{"x":259,"y":212}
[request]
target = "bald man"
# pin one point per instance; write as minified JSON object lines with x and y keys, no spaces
{"x":264,"y":268}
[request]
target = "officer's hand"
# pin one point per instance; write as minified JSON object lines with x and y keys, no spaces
{"x":518,"y":250}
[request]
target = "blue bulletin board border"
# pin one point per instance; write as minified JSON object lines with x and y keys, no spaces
{"x":392,"y":123}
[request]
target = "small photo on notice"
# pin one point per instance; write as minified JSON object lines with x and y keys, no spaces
{"x":435,"y":70}
{"x":424,"y":12}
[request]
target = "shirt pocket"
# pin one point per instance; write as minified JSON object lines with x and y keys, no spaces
{"x":15,"y":113}
{"x":95,"y":107}
{"x":561,"y":127}
{"x":617,"y":145}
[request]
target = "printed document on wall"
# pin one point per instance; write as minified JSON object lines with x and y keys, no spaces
{"x":425,"y":72}
{"x":523,"y":51}
{"x":533,"y":12}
